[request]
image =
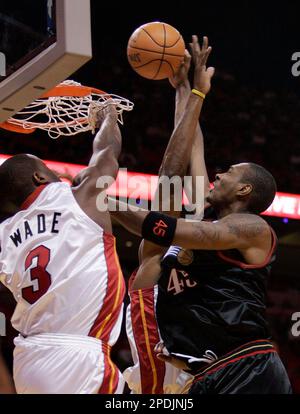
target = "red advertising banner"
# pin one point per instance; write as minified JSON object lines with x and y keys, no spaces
{"x":133,"y":184}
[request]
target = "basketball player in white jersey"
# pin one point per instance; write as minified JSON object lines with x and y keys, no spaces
{"x":58,"y":258}
{"x":149,"y":375}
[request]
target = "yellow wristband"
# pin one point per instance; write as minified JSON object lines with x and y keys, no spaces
{"x":196,"y":92}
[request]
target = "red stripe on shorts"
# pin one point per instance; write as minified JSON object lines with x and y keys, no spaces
{"x":111,"y":373}
{"x":146,"y":336}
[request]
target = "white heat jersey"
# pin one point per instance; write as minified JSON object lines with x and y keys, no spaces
{"x":62,"y":268}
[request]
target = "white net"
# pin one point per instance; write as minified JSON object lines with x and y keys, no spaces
{"x":68,"y":115}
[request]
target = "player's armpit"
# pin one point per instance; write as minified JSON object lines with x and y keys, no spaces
{"x":81,"y":176}
{"x":105,"y":165}
{"x":98,"y":176}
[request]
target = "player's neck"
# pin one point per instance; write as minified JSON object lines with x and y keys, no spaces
{"x":233,"y":208}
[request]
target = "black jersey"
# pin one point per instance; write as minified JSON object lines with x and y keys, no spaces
{"x":212,"y":301}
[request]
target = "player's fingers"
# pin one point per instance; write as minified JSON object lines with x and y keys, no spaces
{"x":173,"y":361}
{"x":192,"y":50}
{"x":163,"y":357}
{"x":187,"y":56}
{"x":205,"y":43}
{"x":210,"y":71}
{"x":208,"y":52}
{"x":196,"y":45}
{"x":166,"y":358}
{"x":187,"y":60}
{"x":159,"y":347}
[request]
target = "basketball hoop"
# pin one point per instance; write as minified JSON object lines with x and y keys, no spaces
{"x":68,"y":109}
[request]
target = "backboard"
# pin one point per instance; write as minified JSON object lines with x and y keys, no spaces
{"x":41,"y":43}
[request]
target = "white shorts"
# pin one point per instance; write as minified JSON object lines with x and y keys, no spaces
{"x":64,"y":364}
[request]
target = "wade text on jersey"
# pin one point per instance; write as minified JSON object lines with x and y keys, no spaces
{"x":36,"y":225}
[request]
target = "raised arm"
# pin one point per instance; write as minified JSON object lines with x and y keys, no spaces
{"x":103,"y":167}
{"x":197,"y":167}
{"x":106,"y":148}
{"x":149,"y":253}
{"x":184,"y":132}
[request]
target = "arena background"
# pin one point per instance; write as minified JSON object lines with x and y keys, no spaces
{"x":252,"y":113}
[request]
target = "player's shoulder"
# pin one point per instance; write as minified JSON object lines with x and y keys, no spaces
{"x":60,"y":187}
{"x":250,"y":224}
{"x":244,"y":217}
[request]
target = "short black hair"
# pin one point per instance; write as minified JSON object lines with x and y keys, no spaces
{"x":263,"y":187}
{"x":16,"y":180}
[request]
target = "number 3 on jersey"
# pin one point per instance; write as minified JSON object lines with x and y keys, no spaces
{"x":178,"y":281}
{"x":38,"y":273}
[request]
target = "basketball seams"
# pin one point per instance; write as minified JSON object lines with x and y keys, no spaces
{"x":158,"y":44}
{"x":171,"y":66}
{"x":156,"y":60}
{"x":163,"y":52}
{"x":150,"y":61}
{"x":154,"y":51}
{"x":152,"y":38}
{"x":174,"y":44}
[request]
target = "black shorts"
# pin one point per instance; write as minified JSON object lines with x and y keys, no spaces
{"x":254,"y":368}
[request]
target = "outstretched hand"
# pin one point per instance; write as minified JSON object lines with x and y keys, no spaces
{"x":164,"y":356}
{"x":181,"y":75}
{"x":202,"y":75}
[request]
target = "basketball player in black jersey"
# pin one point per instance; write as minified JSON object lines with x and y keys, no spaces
{"x":211,"y":308}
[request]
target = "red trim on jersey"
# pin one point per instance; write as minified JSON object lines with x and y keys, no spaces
{"x":32,"y":197}
{"x":247,"y":344}
{"x":115,"y":292}
{"x":269,"y":351}
{"x":243,"y":265}
{"x":111,"y":373}
{"x":152,"y":370}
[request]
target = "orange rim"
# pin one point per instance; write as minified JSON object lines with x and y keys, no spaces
{"x":71,"y":90}
{"x":59,"y":90}
{"x":16,"y":128}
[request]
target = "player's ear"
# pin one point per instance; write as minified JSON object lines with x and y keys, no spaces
{"x":39,"y":178}
{"x":244,"y":189}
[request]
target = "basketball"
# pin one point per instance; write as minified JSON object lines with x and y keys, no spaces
{"x":155,"y":50}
